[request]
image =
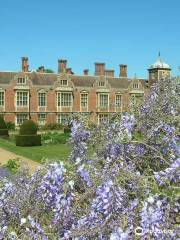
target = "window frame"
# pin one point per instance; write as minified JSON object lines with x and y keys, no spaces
{"x":62,"y":102}
{"x":120,"y":101}
{"x":21,"y":82}
{"x":40,"y":101}
{"x":23,"y":119}
{"x":100,"y":105}
{"x":62,"y":81}
{"x":62,"y":121}
{"x":135,"y":85}
{"x":2,"y":98}
{"x":84,"y":96}
{"x":101,"y":84}
{"x":104,"y":116}
{"x":21,"y":100}
{"x":42,"y":121}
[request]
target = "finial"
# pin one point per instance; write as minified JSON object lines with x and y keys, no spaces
{"x":135,"y":76}
{"x":159,"y":54}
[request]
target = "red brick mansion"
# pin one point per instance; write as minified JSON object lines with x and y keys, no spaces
{"x":52,"y":97}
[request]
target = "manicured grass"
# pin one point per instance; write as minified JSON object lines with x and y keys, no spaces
{"x":38,"y":153}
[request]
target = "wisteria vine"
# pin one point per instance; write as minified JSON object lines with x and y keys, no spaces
{"x":123,"y":183}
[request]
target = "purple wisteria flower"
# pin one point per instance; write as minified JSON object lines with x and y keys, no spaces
{"x":121,"y":180}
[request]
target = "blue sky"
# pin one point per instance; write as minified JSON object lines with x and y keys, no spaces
{"x":83,"y":32}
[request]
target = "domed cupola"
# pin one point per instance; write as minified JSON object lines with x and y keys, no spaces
{"x":159,"y":64}
{"x":158,"y":70}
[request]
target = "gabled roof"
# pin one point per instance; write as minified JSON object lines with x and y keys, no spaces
{"x":48,"y":79}
{"x":42,"y":78}
{"x":119,"y":82}
{"x":83,"y":81}
{"x":144,"y":82}
{"x":6,"y":77}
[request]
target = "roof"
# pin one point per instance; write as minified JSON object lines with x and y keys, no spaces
{"x":6,"y":77}
{"x":160,"y":64}
{"x":42,"y":78}
{"x":83,"y":81}
{"x":119,"y":82}
{"x":48,"y":79}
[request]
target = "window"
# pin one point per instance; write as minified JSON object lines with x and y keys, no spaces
{"x":1,"y":98}
{"x":103,"y":100}
{"x":101,"y":84}
{"x":64,"y":99}
{"x":135,"y":85}
{"x":63,"y":118}
{"x":41,"y":118}
{"x":41,"y":99}
{"x":103,"y":118}
{"x":64,"y":82}
{"x":22,"y":99}
{"x":133,"y":100}
{"x":84,"y":100}
{"x":136,"y":100}
{"x":118,"y":101}
{"x":21,"y":80}
{"x":21,"y":117}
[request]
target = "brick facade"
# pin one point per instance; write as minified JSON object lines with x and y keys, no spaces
{"x":66,"y":93}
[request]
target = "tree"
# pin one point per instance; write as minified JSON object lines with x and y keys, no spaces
{"x":47,"y":70}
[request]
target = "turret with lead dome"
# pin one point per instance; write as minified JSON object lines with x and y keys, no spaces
{"x":158,"y":70}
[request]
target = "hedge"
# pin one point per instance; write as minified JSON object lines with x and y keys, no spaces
{"x":2,"y":123}
{"x":3,"y":128}
{"x":28,"y":140}
{"x":4,"y":132}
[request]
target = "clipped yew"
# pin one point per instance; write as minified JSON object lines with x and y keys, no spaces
{"x":28,"y":135}
{"x":3,"y":128}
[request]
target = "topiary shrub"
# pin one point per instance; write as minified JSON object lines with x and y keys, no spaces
{"x":28,"y":135}
{"x":28,"y":128}
{"x":3,"y":128}
{"x":28,"y":140}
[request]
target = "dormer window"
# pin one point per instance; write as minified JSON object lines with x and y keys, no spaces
{"x":101,"y":84}
{"x":21,"y":80}
{"x":135,"y":85}
{"x":64,"y":82}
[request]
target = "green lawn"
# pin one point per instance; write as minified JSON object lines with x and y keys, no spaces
{"x":52,"y":152}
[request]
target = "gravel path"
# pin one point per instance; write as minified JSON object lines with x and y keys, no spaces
{"x":6,"y":155}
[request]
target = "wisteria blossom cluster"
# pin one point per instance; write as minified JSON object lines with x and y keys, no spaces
{"x":121,"y":182}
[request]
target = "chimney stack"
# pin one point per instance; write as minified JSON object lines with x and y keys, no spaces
{"x":123,"y":70}
{"x":62,"y":66}
{"x":25,"y":65}
{"x":109,"y":73}
{"x":99,"y":69}
{"x":86,"y":71}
